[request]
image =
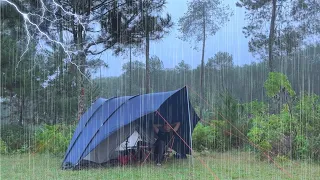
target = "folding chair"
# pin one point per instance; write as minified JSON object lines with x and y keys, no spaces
{"x":168,"y":150}
{"x":144,"y":150}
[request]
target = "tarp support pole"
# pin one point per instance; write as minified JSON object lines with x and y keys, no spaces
{"x":190,"y":131}
{"x":191,"y":153}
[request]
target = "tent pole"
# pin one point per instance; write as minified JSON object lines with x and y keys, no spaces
{"x":189,"y":123}
{"x":127,"y":145}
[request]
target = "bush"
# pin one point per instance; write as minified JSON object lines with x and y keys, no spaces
{"x":3,"y":147}
{"x":53,"y":139}
{"x":315,"y":147}
{"x":307,"y":140}
{"x":235,"y":118}
{"x":282,"y":159}
{"x":202,"y":137}
{"x":255,"y":108}
{"x":273,"y":132}
{"x":301,"y":147}
{"x":16,"y":137}
{"x":275,"y":82}
{"x":295,"y":135}
{"x":209,"y":137}
{"x":308,"y":112}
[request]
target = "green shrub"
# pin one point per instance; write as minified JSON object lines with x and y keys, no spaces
{"x":255,"y":108}
{"x":3,"y":147}
{"x":24,"y":149}
{"x":273,"y":132}
{"x":315,"y":147}
{"x":16,"y":137}
{"x":275,"y":82}
{"x":53,"y":139}
{"x":256,"y":134}
{"x":301,"y":147}
{"x":307,"y":128}
{"x":229,"y":108}
{"x":282,"y":159}
{"x":235,"y":118}
{"x":202,"y":137}
{"x":210,"y":137}
{"x":307,"y":111}
{"x":265,"y":145}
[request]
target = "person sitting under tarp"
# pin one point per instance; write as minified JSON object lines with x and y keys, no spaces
{"x":164,"y":136}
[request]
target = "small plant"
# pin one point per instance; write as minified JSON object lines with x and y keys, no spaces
{"x":24,"y":149}
{"x":205,"y":152}
{"x":282,"y":159}
{"x":264,"y":150}
{"x":3,"y":147}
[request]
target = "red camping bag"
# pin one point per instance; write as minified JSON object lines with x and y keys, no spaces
{"x":123,"y":159}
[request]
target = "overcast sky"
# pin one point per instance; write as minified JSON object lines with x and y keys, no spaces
{"x":171,"y":50}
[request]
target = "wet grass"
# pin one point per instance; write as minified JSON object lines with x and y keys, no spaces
{"x":230,"y":165}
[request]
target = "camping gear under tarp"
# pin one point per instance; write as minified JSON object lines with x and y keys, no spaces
{"x":130,"y":142}
{"x":109,"y":122}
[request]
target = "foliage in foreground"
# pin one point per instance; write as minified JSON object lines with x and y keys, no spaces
{"x":53,"y":139}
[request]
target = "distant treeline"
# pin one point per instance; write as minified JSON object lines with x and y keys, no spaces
{"x":245,"y":83}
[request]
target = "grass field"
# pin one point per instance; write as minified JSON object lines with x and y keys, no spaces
{"x":232,"y":165}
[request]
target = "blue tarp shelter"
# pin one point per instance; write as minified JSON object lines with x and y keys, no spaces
{"x":109,"y":122}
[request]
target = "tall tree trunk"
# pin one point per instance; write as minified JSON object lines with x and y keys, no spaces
{"x":82,"y":60}
{"x":130,"y":71}
{"x":80,"y":34}
{"x":202,"y":66}
{"x":21,"y":110}
{"x":11,"y":106}
{"x":271,"y":34}
{"x":81,"y":87}
{"x":147,"y":83}
{"x":61,"y":69}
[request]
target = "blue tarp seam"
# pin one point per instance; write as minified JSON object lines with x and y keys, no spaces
{"x":85,"y":126}
{"x":102,"y":125}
